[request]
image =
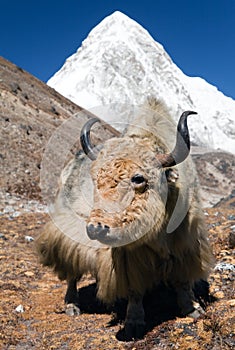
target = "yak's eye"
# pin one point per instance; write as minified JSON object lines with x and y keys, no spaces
{"x":139,"y":183}
{"x":138,"y":179}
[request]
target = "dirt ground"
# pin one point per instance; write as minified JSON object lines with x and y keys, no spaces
{"x":32,"y":309}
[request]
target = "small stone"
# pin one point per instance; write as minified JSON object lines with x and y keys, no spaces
{"x":222,"y":266}
{"x":231,"y":302}
{"x":29,"y":239}
{"x":8,"y":209}
{"x":188,"y":338}
{"x":15,"y":214}
{"x":2,"y":236}
{"x":19,"y":308}
{"x":12,"y":201}
{"x":219,"y":295}
{"x":29,"y":273}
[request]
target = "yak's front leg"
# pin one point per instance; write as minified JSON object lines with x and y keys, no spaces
{"x":186,"y":301}
{"x":71,"y":298}
{"x":134,"y":322}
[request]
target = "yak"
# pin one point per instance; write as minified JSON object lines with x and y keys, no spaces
{"x":128,"y":212}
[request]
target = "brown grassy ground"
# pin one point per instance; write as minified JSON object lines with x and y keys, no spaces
{"x":44,"y":325}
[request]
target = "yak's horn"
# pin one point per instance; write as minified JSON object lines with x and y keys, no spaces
{"x":85,"y":139}
{"x":182,"y":146}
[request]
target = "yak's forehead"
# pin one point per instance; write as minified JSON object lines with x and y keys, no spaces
{"x":117,"y":163}
{"x":112,"y":179}
{"x":119,"y":168}
{"x":116,"y":171}
{"x":121,"y":158}
{"x":127,"y":147}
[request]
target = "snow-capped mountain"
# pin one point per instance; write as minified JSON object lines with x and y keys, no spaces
{"x":119,"y":62}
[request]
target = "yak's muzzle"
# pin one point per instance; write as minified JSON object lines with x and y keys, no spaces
{"x":98,"y":232}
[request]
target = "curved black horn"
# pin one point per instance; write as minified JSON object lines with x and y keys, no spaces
{"x":85,"y":138}
{"x":182,"y":146}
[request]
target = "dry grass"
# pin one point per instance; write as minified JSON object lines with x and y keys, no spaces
{"x":44,"y":325}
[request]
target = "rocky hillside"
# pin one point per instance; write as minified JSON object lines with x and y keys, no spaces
{"x":216,"y":171}
{"x":29,"y":113}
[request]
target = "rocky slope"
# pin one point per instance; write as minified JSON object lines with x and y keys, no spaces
{"x":30,"y":111}
{"x":216,"y":173}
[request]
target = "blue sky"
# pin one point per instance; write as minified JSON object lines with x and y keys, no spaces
{"x":199,"y":35}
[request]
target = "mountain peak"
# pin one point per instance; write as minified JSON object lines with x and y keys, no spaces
{"x":117,"y":27}
{"x":119,"y":62}
{"x":118,"y":17}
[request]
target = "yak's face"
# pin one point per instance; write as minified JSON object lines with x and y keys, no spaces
{"x":130,"y":187}
{"x":129,"y":192}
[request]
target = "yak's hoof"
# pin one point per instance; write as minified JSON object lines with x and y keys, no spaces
{"x":72,"y":310}
{"x":197,"y":312}
{"x":134,"y":330}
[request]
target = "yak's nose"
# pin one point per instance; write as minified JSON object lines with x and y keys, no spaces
{"x":97,"y":231}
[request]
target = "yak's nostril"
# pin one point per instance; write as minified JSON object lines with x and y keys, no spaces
{"x":91,"y":231}
{"x":105,"y":230}
{"x":96,"y":232}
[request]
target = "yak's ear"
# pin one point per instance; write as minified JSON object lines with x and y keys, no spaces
{"x":182,"y":146}
{"x":85,"y":139}
{"x":172,"y":175}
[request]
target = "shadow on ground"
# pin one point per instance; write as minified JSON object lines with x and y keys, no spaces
{"x":160,"y":305}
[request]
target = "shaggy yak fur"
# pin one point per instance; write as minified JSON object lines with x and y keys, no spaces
{"x":151,"y":226}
